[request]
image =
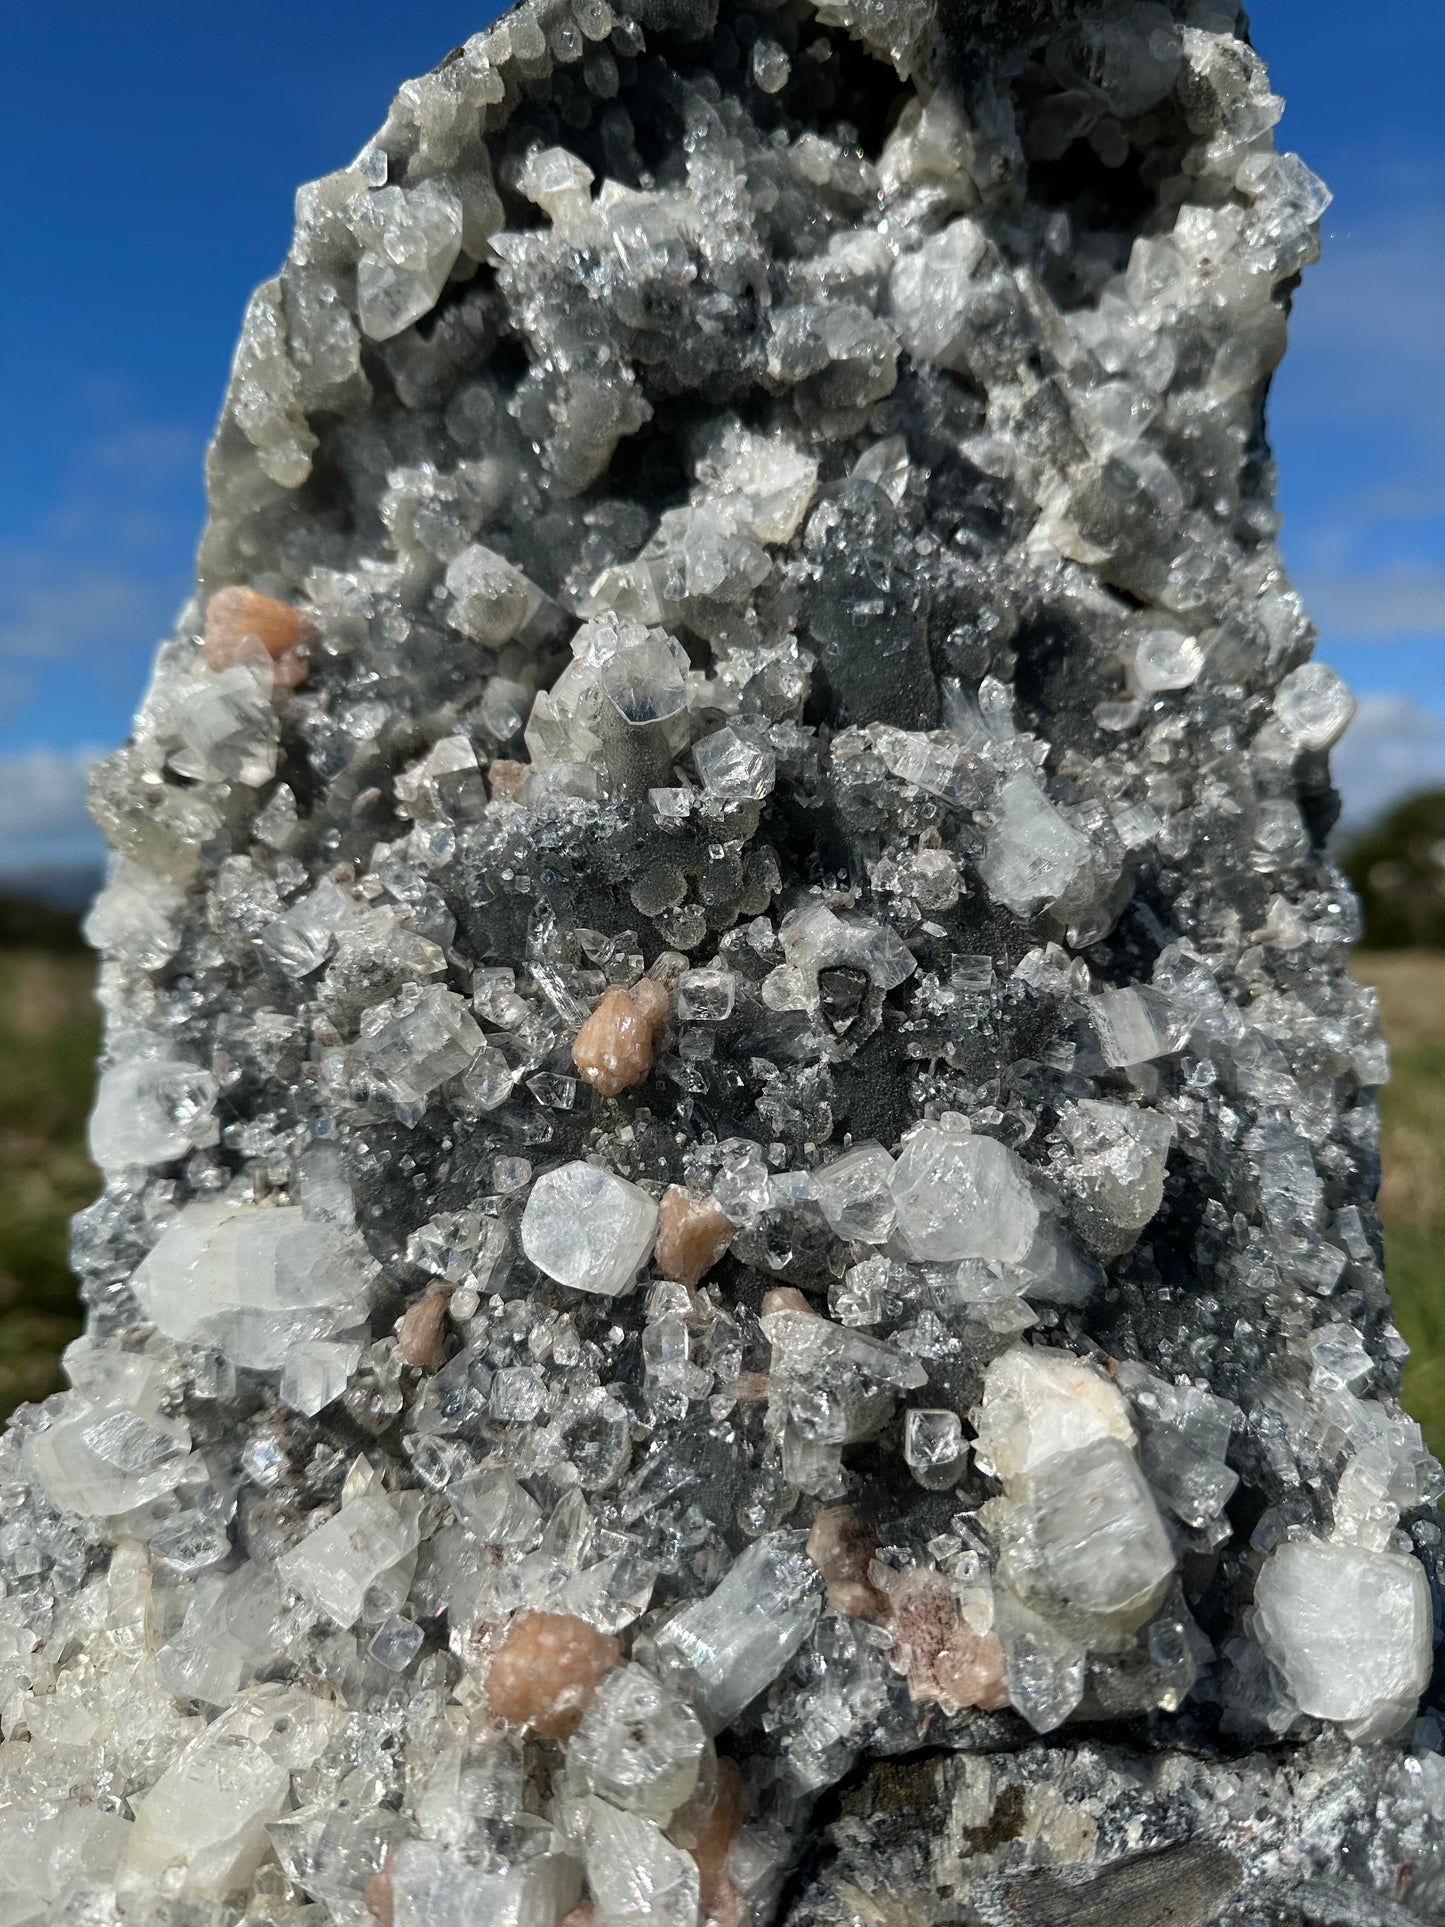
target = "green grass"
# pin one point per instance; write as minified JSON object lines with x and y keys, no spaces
{"x":1411,"y":984}
{"x":48,"y":1036}
{"x":49,"y":1029}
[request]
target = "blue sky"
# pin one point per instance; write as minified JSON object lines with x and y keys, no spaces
{"x":163,"y":144}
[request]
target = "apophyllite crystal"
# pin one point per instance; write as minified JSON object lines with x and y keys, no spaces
{"x":738,"y":1277}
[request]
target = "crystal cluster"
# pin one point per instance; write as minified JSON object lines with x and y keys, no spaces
{"x":738,"y":1145}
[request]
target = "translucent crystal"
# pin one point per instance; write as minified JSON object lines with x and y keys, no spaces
{"x":639,"y":1747}
{"x":396,"y":1643}
{"x":815,"y":939}
{"x":1046,"y":1667}
{"x":253,"y":1282}
{"x":933,"y":1448}
{"x":335,"y":1566}
{"x":706,"y":996}
{"x":411,"y":237}
{"x":1313,"y":706}
{"x":634,"y":1871}
{"x":430,"y":1041}
{"x":854,"y":1195}
{"x":959,"y":1195}
{"x":725,"y":1649}
{"x":111,"y":1446}
{"x":432,"y":1886}
{"x":151,"y":1110}
{"x":734,"y":766}
{"x":204,"y":1820}
{"x":588,"y":1229}
{"x":1167,"y":659}
{"x":1349,"y":1630}
{"x":1119,"y":1168}
{"x":316,"y":1373}
{"x":491,"y":600}
{"x":1034,"y":854}
{"x":1135,"y":1026}
{"x":226,"y":730}
{"x":1088,"y":1542}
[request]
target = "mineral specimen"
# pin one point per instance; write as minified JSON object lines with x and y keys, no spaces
{"x":737,"y":1277}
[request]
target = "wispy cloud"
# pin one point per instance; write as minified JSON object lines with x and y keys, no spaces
{"x":1393,"y":747}
{"x":91,"y":577}
{"x":1398,"y":600}
{"x":43,"y":820}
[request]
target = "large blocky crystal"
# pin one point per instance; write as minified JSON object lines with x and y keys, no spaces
{"x":738,"y":1280}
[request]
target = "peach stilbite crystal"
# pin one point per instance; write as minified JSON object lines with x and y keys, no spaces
{"x":506,"y":776}
{"x":238,"y":617}
{"x":693,"y":1234}
{"x":841,"y":1545}
{"x":615,"y":1047}
{"x":379,"y":1899}
{"x":942,"y":1656}
{"x":546,"y":1670}
{"x":422,"y":1329}
{"x":718,"y":1897}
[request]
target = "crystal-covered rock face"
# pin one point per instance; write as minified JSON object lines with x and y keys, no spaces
{"x":738,"y":1145}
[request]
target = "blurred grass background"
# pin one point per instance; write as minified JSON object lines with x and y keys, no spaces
{"x":49,"y":1031}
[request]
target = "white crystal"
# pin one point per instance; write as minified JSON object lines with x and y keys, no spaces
{"x":226,"y":729}
{"x":639,"y":1746}
{"x":150,"y":1110}
{"x":1034,"y":855}
{"x":727,"y":1648}
{"x":112,"y":1446}
{"x":203,"y":1822}
{"x":1166,"y":659}
{"x":932,"y":291}
{"x":634,"y":1871}
{"x":1037,"y":1403}
{"x":767,"y":480}
{"x":1349,"y":1630}
{"x":588,"y":1229}
{"x":1313,"y":706}
{"x":961,"y":1195}
{"x":853,"y":1193}
{"x":411,"y":237}
{"x":253,"y":1281}
{"x":336,"y":1565}
{"x":1087,"y":1540}
{"x":433,"y":1886}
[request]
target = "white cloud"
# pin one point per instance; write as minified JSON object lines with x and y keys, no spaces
{"x":91,"y":575}
{"x":43,"y":821}
{"x":1369,"y":321}
{"x":1392,"y":748}
{"x":1398,"y":600}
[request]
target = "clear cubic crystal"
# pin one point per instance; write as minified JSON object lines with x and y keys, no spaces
{"x":588,"y":1229}
{"x":960,"y":1195}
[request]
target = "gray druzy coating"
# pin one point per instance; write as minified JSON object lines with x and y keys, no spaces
{"x":738,"y":1274}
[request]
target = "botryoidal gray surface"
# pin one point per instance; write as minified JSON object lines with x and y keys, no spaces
{"x":759,"y":527}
